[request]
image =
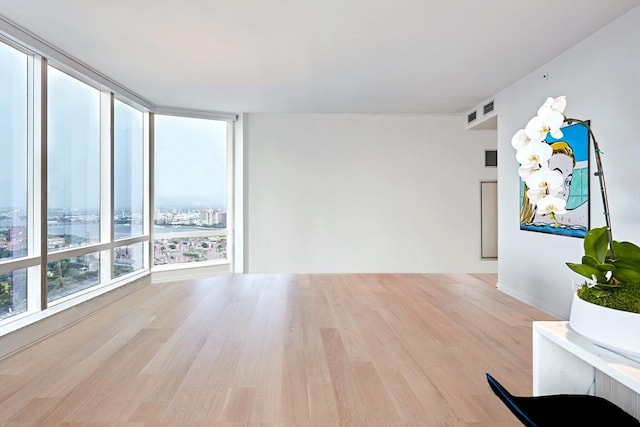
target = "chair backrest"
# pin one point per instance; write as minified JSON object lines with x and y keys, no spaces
{"x":563,"y":409}
{"x":510,"y":402}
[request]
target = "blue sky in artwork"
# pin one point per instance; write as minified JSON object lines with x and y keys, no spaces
{"x":575,"y":135}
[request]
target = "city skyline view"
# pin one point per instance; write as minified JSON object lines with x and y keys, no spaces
{"x":94,"y":154}
{"x":66,"y":229}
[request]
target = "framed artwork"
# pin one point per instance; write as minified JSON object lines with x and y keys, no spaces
{"x":571,"y":158}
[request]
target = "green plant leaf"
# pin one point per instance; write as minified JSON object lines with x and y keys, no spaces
{"x":623,"y":263}
{"x":628,"y":275}
{"x":627,"y":251}
{"x":596,"y":243}
{"x":587,"y":260}
{"x":606,"y":267}
{"x":601,"y":293}
{"x":587,"y":271}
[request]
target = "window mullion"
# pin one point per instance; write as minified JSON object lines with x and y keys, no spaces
{"x":149,"y":185}
{"x":106,"y":183}
{"x":43,"y":181}
{"x":34,"y":175}
{"x":230,"y":195}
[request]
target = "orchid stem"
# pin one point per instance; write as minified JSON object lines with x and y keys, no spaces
{"x":603,"y":187}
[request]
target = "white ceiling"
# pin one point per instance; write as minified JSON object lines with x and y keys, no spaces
{"x":442,"y":56}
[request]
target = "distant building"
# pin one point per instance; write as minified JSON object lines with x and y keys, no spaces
{"x":210,"y":217}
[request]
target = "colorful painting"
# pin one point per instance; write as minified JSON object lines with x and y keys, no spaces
{"x":571,"y":158}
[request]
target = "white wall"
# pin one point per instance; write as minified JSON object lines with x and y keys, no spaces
{"x":601,"y":78}
{"x":364,"y":193}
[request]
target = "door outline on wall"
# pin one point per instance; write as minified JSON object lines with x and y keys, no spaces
{"x":489,"y":220}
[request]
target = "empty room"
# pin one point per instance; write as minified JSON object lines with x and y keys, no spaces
{"x":319,"y":212}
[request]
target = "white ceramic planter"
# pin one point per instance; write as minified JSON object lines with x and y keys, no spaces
{"x":614,"y":329}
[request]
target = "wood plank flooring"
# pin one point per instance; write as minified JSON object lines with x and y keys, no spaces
{"x":282,"y":350}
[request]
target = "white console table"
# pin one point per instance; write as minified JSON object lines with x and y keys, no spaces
{"x":565,"y":362}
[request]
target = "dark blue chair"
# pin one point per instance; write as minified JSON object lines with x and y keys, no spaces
{"x":563,"y":409}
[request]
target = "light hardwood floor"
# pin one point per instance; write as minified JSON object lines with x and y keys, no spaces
{"x":282,"y":350}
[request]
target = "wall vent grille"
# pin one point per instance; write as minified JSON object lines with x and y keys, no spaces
{"x":472,"y":116}
{"x":487,"y":108}
{"x":491,"y":158}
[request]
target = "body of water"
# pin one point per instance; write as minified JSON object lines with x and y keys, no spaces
{"x":91,"y":230}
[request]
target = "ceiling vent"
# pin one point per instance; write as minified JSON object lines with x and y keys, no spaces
{"x":487,"y":108}
{"x":486,"y":120}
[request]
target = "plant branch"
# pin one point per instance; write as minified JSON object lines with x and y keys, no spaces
{"x":603,"y":187}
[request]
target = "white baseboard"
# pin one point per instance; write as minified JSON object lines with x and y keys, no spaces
{"x":170,"y":275}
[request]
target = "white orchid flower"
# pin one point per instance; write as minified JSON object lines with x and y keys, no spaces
{"x":525,"y":172}
{"x":531,"y":156}
{"x":545,"y":181}
{"x":520,"y":140}
{"x":553,"y":120}
{"x":556,"y":104}
{"x":551,"y":204}
{"x":552,"y":115}
{"x":536,"y":129}
{"x":548,"y":123}
{"x":534,"y":196}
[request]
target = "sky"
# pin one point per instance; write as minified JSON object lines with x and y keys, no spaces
{"x":190,"y":154}
{"x":190,"y":162}
{"x":13,"y":127}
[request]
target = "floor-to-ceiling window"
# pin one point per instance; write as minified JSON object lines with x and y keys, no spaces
{"x":15,"y":233}
{"x":128,"y":189}
{"x":191,"y":215}
{"x":73,"y":184}
{"x":73,"y":187}
{"x":76,"y":215}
